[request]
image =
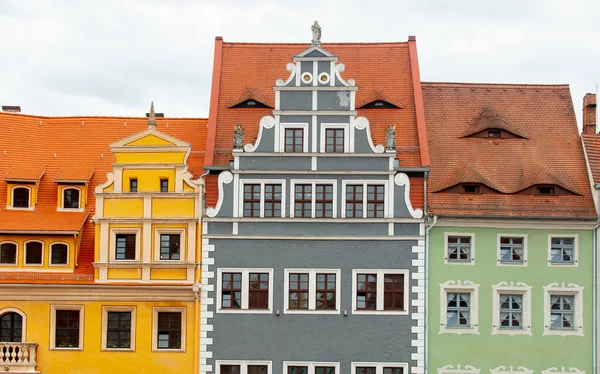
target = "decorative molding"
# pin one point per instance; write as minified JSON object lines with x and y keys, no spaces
{"x":267,"y":122}
{"x":460,"y":286}
{"x":512,"y":288}
{"x":510,"y":370}
{"x":402,"y":179}
{"x":568,"y":289}
{"x":225,"y":177}
{"x":449,"y":369}
{"x":362,"y":123}
{"x":338,"y":69}
{"x":291,"y":67}
{"x":555,"y":370}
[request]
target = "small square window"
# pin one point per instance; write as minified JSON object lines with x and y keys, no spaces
{"x":545,"y":190}
{"x":133,"y":185}
{"x":244,"y":290}
{"x":459,"y":249}
{"x":164,"y":185}
{"x":125,"y":247}
{"x":562,"y":251}
{"x":494,"y":133}
{"x":312,"y":291}
{"x":334,"y":140}
{"x":294,"y":139}
{"x":169,"y":246}
{"x":512,"y":250}
{"x":470,"y":188}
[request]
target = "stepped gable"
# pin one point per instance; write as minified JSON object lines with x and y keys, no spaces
{"x":543,"y":147}
{"x":71,"y":148}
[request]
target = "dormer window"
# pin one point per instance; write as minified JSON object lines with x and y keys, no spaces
{"x":20,"y":197}
{"x":470,"y":188}
{"x":379,"y":104}
{"x":71,"y":198}
{"x":545,"y":190}
{"x":250,"y":103}
{"x":494,"y":133}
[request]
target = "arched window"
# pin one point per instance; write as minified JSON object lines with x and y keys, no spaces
{"x":59,"y":254}
{"x":8,"y":253}
{"x":71,"y":198}
{"x":33,"y":253}
{"x":11,"y":327}
{"x":20,"y":197}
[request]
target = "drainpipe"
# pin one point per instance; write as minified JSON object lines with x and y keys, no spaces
{"x":427,"y":291}
{"x":197,"y":285}
{"x":594,"y":296}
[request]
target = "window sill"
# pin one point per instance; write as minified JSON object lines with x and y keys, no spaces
{"x":66,"y":349}
{"x":499,"y":331}
{"x":117,"y":350}
{"x":311,"y":311}
{"x":562,"y":265}
{"x":165,"y":350}
{"x":566,"y":332}
{"x":512,"y":264}
{"x":452,"y":262}
{"x":459,"y":330}
{"x":69,"y":209}
{"x":382,"y":312}
{"x":244,"y":311}
{"x":8,"y":207}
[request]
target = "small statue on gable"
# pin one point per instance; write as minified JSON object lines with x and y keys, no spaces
{"x":316,"y":33}
{"x":238,"y":137}
{"x":390,"y":138}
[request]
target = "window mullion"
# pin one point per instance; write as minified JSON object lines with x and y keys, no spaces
{"x":313,"y":200}
{"x":262,"y":200}
{"x":243,"y":368}
{"x":380,"y":291}
{"x":312,"y":290}
{"x":245,"y":289}
{"x":364,"y":205}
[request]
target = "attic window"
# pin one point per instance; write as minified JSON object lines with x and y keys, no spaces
{"x":250,"y":103}
{"x":470,"y":188}
{"x":494,"y":133}
{"x":379,"y":104}
{"x":545,"y":190}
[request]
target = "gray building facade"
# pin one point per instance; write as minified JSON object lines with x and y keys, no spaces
{"x":313,"y":257}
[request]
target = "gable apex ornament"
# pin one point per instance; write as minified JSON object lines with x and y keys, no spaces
{"x":152,"y":118}
{"x":238,"y":137}
{"x":316,"y":34}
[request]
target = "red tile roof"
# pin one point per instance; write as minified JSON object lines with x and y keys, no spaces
{"x":592,"y":149}
{"x":386,"y":71}
{"x":74,"y":174}
{"x":29,"y":173}
{"x":72,"y":147}
{"x":548,"y":152}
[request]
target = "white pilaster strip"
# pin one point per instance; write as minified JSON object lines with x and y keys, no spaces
{"x":314,"y":134}
{"x":418,"y":343}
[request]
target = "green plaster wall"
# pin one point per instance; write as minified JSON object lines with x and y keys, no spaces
{"x":486,"y":351}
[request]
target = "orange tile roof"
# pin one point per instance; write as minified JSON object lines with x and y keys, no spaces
{"x":15,"y":221}
{"x":27,"y":173}
{"x":60,"y":144}
{"x":74,"y":174}
{"x":387,"y":71}
{"x":592,"y":149}
{"x":549,"y":151}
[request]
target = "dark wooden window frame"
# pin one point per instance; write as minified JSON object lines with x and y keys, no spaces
{"x":337,"y":138}
{"x":32,"y":258}
{"x":11,"y":327}
{"x":367,"y":290}
{"x":55,"y":257}
{"x":169,"y":330}
{"x":305,"y":202}
{"x":326,"y":293}
{"x":67,"y":325}
{"x":323,"y":205}
{"x":170,"y":248}
{"x":272,"y":203}
{"x":295,"y":287}
{"x":125,"y":246}
{"x":254,"y":204}
{"x":258,"y":290}
{"x":354,"y":204}
{"x":19,"y":199}
{"x":393,"y":297}
{"x":118,"y":330}
{"x":233,"y":290}
{"x":294,"y":140}
{"x":164,"y":185}
{"x":8,"y":253}
{"x":378,"y":199}
{"x":69,"y":201}
{"x":133,"y":185}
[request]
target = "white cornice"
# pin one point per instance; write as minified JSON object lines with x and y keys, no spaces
{"x":517,"y":223}
{"x":324,"y":237}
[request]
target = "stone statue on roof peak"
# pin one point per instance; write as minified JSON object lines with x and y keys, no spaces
{"x":316,"y":33}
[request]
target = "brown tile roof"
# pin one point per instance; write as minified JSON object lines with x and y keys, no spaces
{"x":548,"y":150}
{"x":70,"y":146}
{"x":387,"y":71}
{"x":592,"y":149}
{"x":74,"y":174}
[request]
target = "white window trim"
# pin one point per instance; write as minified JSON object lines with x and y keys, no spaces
{"x":25,"y":263}
{"x":118,"y":308}
{"x":570,"y":289}
{"x":445,"y":252}
{"x":324,"y":74}
{"x":182,"y":243}
{"x":50,"y":254}
{"x":311,"y":365}
{"x":53,"y":309}
{"x":508,"y":235}
{"x":243,"y":365}
{"x":514,"y":288}
{"x":113,"y":243}
{"x":290,"y":125}
{"x":313,"y":183}
{"x":62,"y":197}
{"x":380,"y":365}
{"x":262,"y":183}
{"x":575,"y":251}
{"x":160,"y":309}
{"x":461,"y":287}
{"x":348,"y":145}
{"x":12,"y":198}
{"x":554,"y":370}
{"x":23,"y":318}
{"x":16,"y":253}
{"x":388,"y":207}
{"x":510,"y":370}
{"x":312,"y":291}
{"x":245,"y":290}
{"x":449,"y":369}
{"x":380,"y":288}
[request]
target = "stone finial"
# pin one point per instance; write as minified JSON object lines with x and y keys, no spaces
{"x":152,"y":118}
{"x":390,"y":138}
{"x":238,"y":137}
{"x":316,"y":34}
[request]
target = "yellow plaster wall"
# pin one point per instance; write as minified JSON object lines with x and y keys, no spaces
{"x":94,"y":361}
{"x":20,"y":240}
{"x":167,"y":207}
{"x":150,"y":158}
{"x":149,"y":140}
{"x":82,"y":194}
{"x":148,"y":180}
{"x":187,"y":187}
{"x":124,"y":273}
{"x":168,"y":274}
{"x":32,"y":197}
{"x":123,"y":207}
{"x":166,"y":227}
{"x":109,"y":188}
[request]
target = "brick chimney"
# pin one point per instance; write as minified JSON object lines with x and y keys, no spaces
{"x":17,"y":109}
{"x":589,"y":114}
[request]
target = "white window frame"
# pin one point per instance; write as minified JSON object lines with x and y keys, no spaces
{"x":168,"y":231}
{"x":380,"y":291}
{"x":445,"y":252}
{"x":449,"y":369}
{"x":62,"y":197}
{"x":311,"y":365}
{"x":575,"y":251}
{"x":113,"y":243}
{"x":313,"y":183}
{"x":348,"y":148}
{"x":160,"y":309}
{"x":16,"y":252}
{"x":25,"y":252}
{"x":262,"y":183}
{"x":514,"y":288}
{"x":50,"y":254}
{"x":243,"y":365}
{"x":245,"y":290}
{"x":118,"y":308}
{"x":291,"y":125}
{"x":53,"y":309}
{"x":570,"y":289}
{"x":508,"y":235}
{"x":312,"y":291}
{"x":12,"y":197}
{"x":380,"y":365}
{"x":459,"y":287}
{"x":510,"y":370}
{"x":388,"y":207}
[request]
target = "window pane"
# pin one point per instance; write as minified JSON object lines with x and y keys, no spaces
{"x":258,"y":369}
{"x":169,"y":330}
{"x":33,"y":253}
{"x":169,"y":246}
{"x":125,"y":247}
{"x":8,"y":253}
{"x":298,"y":291}
{"x":366,"y":295}
{"x":258,"y":293}
{"x":118,"y":333}
{"x":393,"y":286}
{"x":231,"y":369}
{"x":326,"y":291}
{"x":20,"y":197}
{"x":59,"y":254}
{"x":67,"y":329}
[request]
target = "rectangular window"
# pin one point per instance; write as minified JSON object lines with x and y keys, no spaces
{"x":393,"y":293}
{"x":169,"y":246}
{"x":380,"y":291}
{"x":252,"y":200}
{"x":364,"y":200}
{"x":303,"y":200}
{"x":366,"y":294}
{"x":272,"y":200}
{"x":125,"y":248}
{"x":231,"y":290}
{"x":67,"y":329}
{"x":230,"y":369}
{"x":326,"y":291}
{"x":334,"y":140}
{"x":314,"y":199}
{"x":164,"y":185}
{"x":294,"y":140}
{"x":458,"y":309}
{"x":562,"y":312}
{"x":562,"y":251}
{"x":312,"y":291}
{"x":243,"y":367}
{"x":379,"y":368}
{"x":298,"y":291}
{"x":512,"y":250}
{"x":375,"y":201}
{"x":20,"y":197}
{"x":511,"y":311}
{"x":244,"y":290}
{"x":324,"y":201}
{"x":354,"y":201}
{"x":459,"y":249}
{"x":59,"y":254}
{"x":133,"y":185}
{"x":295,"y":367}
{"x":169,"y":330}
{"x":118,"y":333}
{"x":258,"y":294}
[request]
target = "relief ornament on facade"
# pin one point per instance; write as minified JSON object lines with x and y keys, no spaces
{"x":390,"y":138}
{"x":238,"y":137}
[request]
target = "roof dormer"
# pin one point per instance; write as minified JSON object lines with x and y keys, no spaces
{"x":22,"y":187}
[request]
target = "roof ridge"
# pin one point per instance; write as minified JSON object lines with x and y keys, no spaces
{"x":95,"y":117}
{"x":496,"y":85}
{"x":265,"y":44}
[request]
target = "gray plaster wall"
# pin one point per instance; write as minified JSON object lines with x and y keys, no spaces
{"x":332,"y":338}
{"x":333,"y":100}
{"x":275,"y":163}
{"x":296,"y":100}
{"x":267,"y":140}
{"x":353,"y":163}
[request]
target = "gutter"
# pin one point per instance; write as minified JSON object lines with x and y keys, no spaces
{"x":426,"y":359}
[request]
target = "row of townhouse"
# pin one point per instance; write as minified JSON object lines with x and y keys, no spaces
{"x":334,"y":214}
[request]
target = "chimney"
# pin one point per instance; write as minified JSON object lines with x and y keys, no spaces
{"x":11,"y":108}
{"x":589,"y":114}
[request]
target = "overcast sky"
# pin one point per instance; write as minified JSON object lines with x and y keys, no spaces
{"x":108,"y":57}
